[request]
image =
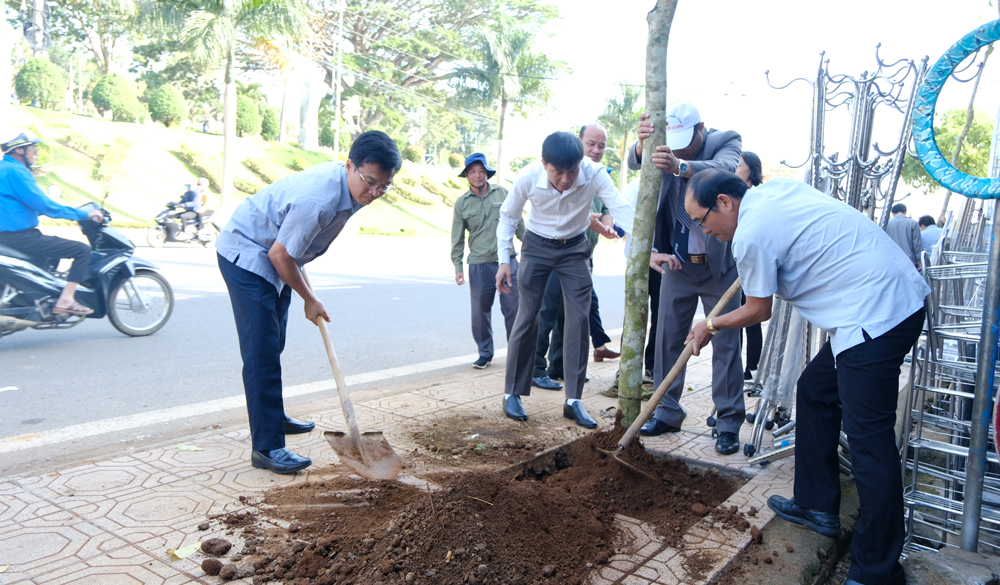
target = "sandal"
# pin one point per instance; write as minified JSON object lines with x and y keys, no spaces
{"x":74,"y":309}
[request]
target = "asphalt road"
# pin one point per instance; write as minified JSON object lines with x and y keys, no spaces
{"x":393,"y":302}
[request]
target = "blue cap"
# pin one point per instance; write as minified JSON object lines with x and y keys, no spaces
{"x":480,"y":158}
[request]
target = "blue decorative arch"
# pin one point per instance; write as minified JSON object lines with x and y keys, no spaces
{"x":930,"y":155}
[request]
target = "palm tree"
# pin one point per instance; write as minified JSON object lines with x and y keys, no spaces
{"x":620,"y":119}
{"x":211,"y":30}
{"x":508,"y":74}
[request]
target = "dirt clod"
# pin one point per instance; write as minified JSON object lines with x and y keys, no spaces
{"x":767,"y":560}
{"x":549,"y":571}
{"x":228,"y":572}
{"x":203,"y":526}
{"x":211,"y":566}
{"x":789,"y":547}
{"x":216,"y":546}
{"x":756,"y":535}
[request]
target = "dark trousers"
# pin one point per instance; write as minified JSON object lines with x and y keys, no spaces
{"x":539,"y":258}
{"x":261,"y":318}
{"x":755,"y":342}
{"x":189,"y":215}
{"x":860,"y":391}
{"x":37,"y":245}
{"x":654,"y":311}
{"x":483,"y":288}
{"x":551,"y":320}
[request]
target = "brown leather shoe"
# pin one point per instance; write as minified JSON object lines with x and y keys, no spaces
{"x":601,"y":354}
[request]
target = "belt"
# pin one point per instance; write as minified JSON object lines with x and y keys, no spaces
{"x":698,"y":258}
{"x":561,"y":241}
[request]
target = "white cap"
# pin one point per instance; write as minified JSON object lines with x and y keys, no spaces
{"x":682,"y":118}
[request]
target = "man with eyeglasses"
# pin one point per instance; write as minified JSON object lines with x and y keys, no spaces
{"x":847,"y":277}
{"x":260,"y":252}
{"x":700,"y":267}
{"x":477,"y":212}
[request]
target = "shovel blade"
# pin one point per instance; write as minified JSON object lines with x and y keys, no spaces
{"x":370,"y":456}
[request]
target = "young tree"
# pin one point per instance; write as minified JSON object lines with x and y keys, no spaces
{"x":166,"y":105}
{"x":211,"y":31}
{"x":507,"y":73}
{"x":637,"y":273}
{"x":620,"y":118}
{"x":247,"y":116}
{"x":40,"y":80}
{"x":973,"y":157}
{"x":99,"y":25}
{"x":269,"y":124}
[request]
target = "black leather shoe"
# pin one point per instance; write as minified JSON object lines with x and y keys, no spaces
{"x":727,"y":444}
{"x":297,"y":427}
{"x":655,"y":428}
{"x":577,"y":412}
{"x":545,"y":383}
{"x":560,"y":377}
{"x":818,"y":522}
{"x":482,"y":362}
{"x":280,"y":461}
{"x":513,"y":409}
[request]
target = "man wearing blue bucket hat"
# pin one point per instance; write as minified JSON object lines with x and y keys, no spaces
{"x":477,"y":212}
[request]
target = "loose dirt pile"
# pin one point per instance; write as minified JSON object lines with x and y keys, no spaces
{"x":551,"y":521}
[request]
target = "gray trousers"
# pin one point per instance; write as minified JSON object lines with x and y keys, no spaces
{"x":679,"y":293}
{"x":540,"y":257}
{"x":483,"y":288}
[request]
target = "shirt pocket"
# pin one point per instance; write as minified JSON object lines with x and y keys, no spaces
{"x":473,"y":218}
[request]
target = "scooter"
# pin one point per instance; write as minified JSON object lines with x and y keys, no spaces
{"x":170,"y":227}
{"x":131,"y":292}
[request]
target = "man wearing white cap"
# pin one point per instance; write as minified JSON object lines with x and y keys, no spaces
{"x":700,"y":266}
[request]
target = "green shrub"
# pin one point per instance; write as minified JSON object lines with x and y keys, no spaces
{"x":40,"y":80}
{"x":435,"y":188}
{"x":410,"y":196}
{"x":454,"y":185}
{"x":326,"y":136}
{"x":259,"y":170}
{"x":115,"y":93}
{"x":270,"y":124}
{"x":247,"y":116}
{"x":413,"y":154}
{"x":82,"y":145}
{"x":455,"y":160}
{"x":246,"y":186}
{"x":114,"y":161}
{"x":373,"y":231}
{"x":196,"y":159}
{"x":407,"y":180}
{"x":299,"y":164}
{"x":167,"y":105}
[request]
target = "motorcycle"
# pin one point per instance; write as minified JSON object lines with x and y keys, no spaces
{"x":170,"y":227}
{"x":131,"y":292}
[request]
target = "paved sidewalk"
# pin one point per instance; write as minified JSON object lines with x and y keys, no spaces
{"x":112,"y":522}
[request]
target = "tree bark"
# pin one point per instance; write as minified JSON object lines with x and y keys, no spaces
{"x":7,"y":36}
{"x":312,"y":92}
{"x":503,"y":112}
{"x":651,"y":178}
{"x":229,"y":136}
{"x":969,"y":115}
{"x":623,"y":166}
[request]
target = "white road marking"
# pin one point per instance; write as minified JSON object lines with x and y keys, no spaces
{"x":6,"y":388}
{"x":132,"y":421}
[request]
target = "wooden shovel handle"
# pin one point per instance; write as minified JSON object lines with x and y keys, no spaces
{"x":338,"y":376}
{"x":674,"y":372}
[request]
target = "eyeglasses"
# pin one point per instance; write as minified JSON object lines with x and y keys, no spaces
{"x":701,"y":222}
{"x":371,"y":184}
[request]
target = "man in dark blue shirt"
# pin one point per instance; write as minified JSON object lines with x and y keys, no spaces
{"x":22,"y":201}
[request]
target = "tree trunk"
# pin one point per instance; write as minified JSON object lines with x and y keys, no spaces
{"x":7,"y":37}
{"x":229,"y":136}
{"x":623,"y":166}
{"x":969,"y":115}
{"x":637,"y":273}
{"x":284,"y":108}
{"x":312,"y":92}
{"x":503,"y":112}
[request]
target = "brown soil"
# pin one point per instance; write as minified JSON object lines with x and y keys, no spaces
{"x":550,"y":521}
{"x":474,"y":441}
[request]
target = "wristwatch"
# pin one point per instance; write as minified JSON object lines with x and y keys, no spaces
{"x":708,"y":327}
{"x":682,"y":168}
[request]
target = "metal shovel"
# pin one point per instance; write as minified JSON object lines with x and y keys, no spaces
{"x":667,"y":381}
{"x":368,"y":453}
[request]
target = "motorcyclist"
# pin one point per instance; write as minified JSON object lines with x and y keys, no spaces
{"x":22,"y":201}
{"x":191,"y":201}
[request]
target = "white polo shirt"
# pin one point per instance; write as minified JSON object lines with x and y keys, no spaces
{"x":553,"y":214}
{"x":832,"y":263}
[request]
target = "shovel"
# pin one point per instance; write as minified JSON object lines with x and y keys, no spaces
{"x":368,"y":453}
{"x":667,"y":381}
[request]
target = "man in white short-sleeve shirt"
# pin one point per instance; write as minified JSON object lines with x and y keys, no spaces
{"x":846,"y":276}
{"x":260,"y":251}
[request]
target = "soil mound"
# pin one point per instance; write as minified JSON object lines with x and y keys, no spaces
{"x":549,"y":521}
